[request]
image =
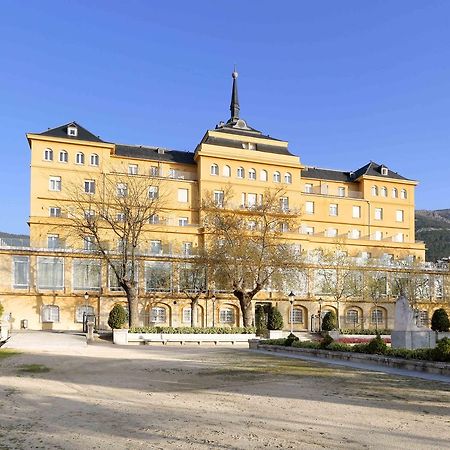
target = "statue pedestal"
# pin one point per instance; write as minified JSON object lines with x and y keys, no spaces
{"x":413,"y":339}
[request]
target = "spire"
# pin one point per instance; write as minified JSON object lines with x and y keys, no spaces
{"x":234,"y":106}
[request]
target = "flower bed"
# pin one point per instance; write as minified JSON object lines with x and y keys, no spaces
{"x":360,"y":340}
{"x":194,"y":330}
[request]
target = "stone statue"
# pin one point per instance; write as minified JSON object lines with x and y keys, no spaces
{"x":405,"y":317}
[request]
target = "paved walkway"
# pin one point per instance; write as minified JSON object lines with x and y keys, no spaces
{"x":45,"y":340}
{"x":363,"y":366}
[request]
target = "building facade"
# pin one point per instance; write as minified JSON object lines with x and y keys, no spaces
{"x":58,"y":276}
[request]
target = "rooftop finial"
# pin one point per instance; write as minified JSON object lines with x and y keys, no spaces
{"x":234,"y":106}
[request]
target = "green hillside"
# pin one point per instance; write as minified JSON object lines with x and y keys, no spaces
{"x":433,"y":227}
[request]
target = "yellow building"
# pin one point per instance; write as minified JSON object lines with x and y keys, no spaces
{"x":369,"y":210}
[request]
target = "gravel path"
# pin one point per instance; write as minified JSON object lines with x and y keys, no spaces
{"x":199,"y":397}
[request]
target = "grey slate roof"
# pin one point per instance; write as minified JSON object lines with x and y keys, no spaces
{"x":242,"y":132}
{"x":277,"y":149}
{"x":371,"y":169}
{"x":151,"y":153}
{"x":61,"y":132}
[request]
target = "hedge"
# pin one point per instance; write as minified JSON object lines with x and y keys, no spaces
{"x":193,"y":330}
{"x":376,"y":346}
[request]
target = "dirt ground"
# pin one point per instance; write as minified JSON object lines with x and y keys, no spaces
{"x":201,"y":397}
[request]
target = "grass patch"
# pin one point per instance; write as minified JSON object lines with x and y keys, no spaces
{"x":6,"y":353}
{"x":34,"y":368}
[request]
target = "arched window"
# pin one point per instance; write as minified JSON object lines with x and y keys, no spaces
{"x":158,"y":314}
{"x":94,"y":159}
{"x":50,"y":313}
{"x":352,"y":317}
{"x":276,"y":177}
{"x":79,"y":159}
{"x":82,"y":311}
{"x":394,"y":193}
{"x":384,"y":191}
{"x":377,"y":316}
{"x":240,"y":172}
{"x":48,"y":154}
{"x":403,"y":194}
{"x":226,"y":171}
{"x":226,"y":315}
{"x":251,"y":174}
{"x":63,"y":156}
{"x":297,"y":315}
{"x":287,"y":178}
{"x":214,"y":169}
{"x":263,"y":175}
{"x":374,"y":191}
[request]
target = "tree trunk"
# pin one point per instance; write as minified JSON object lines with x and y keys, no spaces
{"x":245,"y":302}
{"x":133,"y":313}
{"x":194,"y":305}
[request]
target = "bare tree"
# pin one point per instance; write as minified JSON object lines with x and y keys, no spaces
{"x":375,"y":287}
{"x":338,"y":276}
{"x":192,"y":283}
{"x":110,"y":216}
{"x":245,"y":247}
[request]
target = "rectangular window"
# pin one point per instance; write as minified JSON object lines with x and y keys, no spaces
{"x":89,"y":243}
{"x":284,"y":203}
{"x":132,"y":169}
{"x":155,"y":247}
{"x":377,"y":235}
{"x":341,"y":191}
{"x":54,"y":211}
{"x":89,"y":186}
{"x":356,"y":212}
{"x":154,"y":219}
{"x":50,"y":272}
{"x":354,"y":234}
{"x":53,"y":241}
{"x":183,"y":221}
{"x":21,"y":272}
{"x":54,"y":184}
{"x":309,"y":207}
{"x":187,"y":248}
{"x":158,"y":276}
{"x":122,"y":189}
{"x":226,"y":315}
{"x":308,"y":188}
{"x":399,"y":237}
{"x":82,"y":311}
{"x":153,"y":192}
{"x":183,"y":195}
{"x":251,"y":200}
{"x":86,"y":274}
{"x":307,"y":230}
{"x":218,"y":198}
{"x":112,"y":277}
{"x":399,"y":215}
{"x":331,"y":232}
{"x":333,"y":209}
{"x":154,"y":171}
{"x":378,"y":215}
{"x":50,"y":313}
{"x":187,"y":315}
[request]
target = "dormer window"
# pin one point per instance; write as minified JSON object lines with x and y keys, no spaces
{"x":72,"y":130}
{"x":249,"y":145}
{"x":384,"y":171}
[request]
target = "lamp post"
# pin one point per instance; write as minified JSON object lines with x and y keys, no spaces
{"x":291,"y":301}
{"x":320,"y":313}
{"x":213,"y":299}
{"x":86,"y":299}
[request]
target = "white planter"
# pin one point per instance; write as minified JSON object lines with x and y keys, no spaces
{"x":120,"y":337}
{"x":181,"y":338}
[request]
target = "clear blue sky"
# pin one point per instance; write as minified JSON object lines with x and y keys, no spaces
{"x":344,"y":82}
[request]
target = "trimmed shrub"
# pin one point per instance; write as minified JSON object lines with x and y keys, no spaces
{"x":275,"y":320}
{"x":439,"y":321}
{"x":117,"y":316}
{"x":329,"y":321}
{"x":290,"y":340}
{"x":338,"y":347}
{"x":260,"y":321}
{"x":442,"y":350}
{"x":326,"y":341}
{"x":376,"y":346}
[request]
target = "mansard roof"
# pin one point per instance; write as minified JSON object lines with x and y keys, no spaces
{"x":370,"y":169}
{"x":61,"y":132}
{"x":154,"y":153}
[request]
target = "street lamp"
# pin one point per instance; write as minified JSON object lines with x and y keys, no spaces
{"x":213,"y":299}
{"x":86,"y":298}
{"x":291,"y":301}
{"x":320,"y":313}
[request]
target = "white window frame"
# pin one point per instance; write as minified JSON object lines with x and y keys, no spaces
{"x":309,"y":207}
{"x":82,"y":311}
{"x":308,"y":188}
{"x":133,"y":169}
{"x":403,"y":194}
{"x":54,"y":211}
{"x":153,"y":192}
{"x":50,"y":314}
{"x":214,"y":169}
{"x":121,"y":189}
{"x":183,"y":195}
{"x":277,"y":177}
{"x":374,"y":191}
{"x":226,"y":171}
{"x":394,"y":193}
{"x":252,"y":174}
{"x":183,"y":221}
{"x":79,"y":158}
{"x":341,"y":191}
{"x":297,"y":315}
{"x":240,"y":173}
{"x":331,"y":232}
{"x":53,"y":241}
{"x":378,"y":214}
{"x":263,"y":175}
{"x":158,"y":314}
{"x":94,"y":159}
{"x":152,"y":246}
{"x":48,"y":154}
{"x":288,"y":178}
{"x":384,"y":191}
{"x":227,"y":315}
{"x":63,"y":156}
{"x":218,"y":198}
{"x":377,"y":235}
{"x":89,"y":187}
{"x":356,"y":212}
{"x":187,"y":314}
{"x":333,"y":209}
{"x":54,"y":184}
{"x":400,"y":215}
{"x":21,"y":261}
